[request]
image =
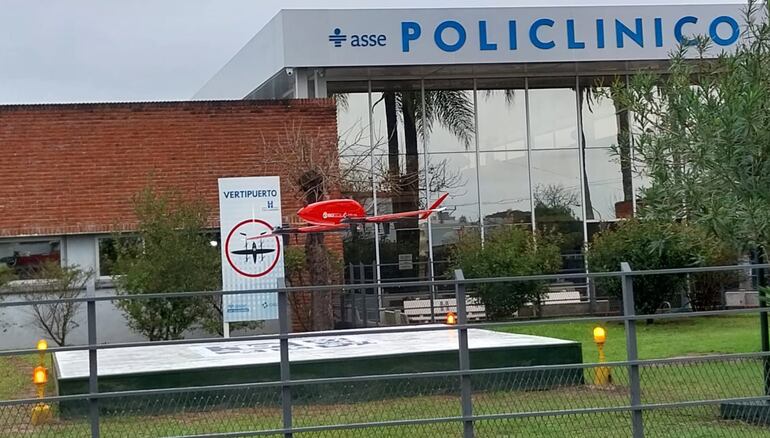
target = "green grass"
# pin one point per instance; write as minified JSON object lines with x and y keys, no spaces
{"x":663,"y":339}
{"x":661,"y":384}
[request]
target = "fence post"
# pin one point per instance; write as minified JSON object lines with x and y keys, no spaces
{"x":764,"y":336}
{"x":93,"y":376}
{"x":283,"y":328}
{"x":629,"y":310}
{"x":465,"y":360}
{"x":365,"y":293}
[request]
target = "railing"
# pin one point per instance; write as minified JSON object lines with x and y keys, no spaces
{"x":459,"y":398}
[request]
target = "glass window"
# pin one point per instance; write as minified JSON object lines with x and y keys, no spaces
{"x":25,"y":257}
{"x":602,"y":125}
{"x":455,"y":174}
{"x":553,"y":118}
{"x":558,"y":204}
{"x":604,"y":194}
{"x":450,"y":121}
{"x":353,"y":123}
{"x":505,"y":197}
{"x":502,"y":119}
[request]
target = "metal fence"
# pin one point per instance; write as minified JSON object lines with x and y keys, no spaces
{"x":709,"y":395}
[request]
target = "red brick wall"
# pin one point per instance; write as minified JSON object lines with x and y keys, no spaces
{"x":68,"y":169}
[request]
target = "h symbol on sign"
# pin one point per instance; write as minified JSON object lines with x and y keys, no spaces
{"x":269,"y":204}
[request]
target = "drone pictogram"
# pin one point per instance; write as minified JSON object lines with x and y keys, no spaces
{"x":252,"y":259}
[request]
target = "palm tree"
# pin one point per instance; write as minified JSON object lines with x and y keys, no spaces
{"x":450,"y":109}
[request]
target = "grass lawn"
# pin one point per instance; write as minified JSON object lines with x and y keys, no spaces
{"x":661,"y":384}
{"x":663,"y":339}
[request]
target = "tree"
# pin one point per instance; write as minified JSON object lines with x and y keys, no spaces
{"x":312,"y":164}
{"x":51,"y":281}
{"x":508,"y":252}
{"x":170,"y":253}
{"x":703,"y":135}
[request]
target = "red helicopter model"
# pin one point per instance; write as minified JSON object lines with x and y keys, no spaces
{"x":338,"y":215}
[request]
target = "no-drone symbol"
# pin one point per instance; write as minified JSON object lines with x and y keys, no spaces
{"x":249,"y":257}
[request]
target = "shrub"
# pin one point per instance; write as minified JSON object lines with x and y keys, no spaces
{"x":170,"y":254}
{"x":648,"y":245}
{"x":508,"y":252}
{"x":51,"y":281}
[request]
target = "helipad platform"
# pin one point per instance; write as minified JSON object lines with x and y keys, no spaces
{"x":335,"y":355}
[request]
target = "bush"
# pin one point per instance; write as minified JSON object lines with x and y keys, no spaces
{"x":648,"y":245}
{"x":508,"y":252}
{"x":171,"y":253}
{"x":51,"y":281}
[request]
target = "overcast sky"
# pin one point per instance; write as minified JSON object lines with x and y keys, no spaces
{"x":134,"y":50}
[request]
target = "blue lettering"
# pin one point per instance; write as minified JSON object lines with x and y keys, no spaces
{"x":382,"y":40}
{"x":438,"y":36}
{"x":571,"y":42}
{"x":658,"y":32}
{"x":678,"y":30}
{"x":600,"y":33}
{"x":484,"y":39}
{"x":636,"y":35}
{"x":513,"y":41}
{"x":545,"y":45}
{"x":714,"y":34}
{"x":410,"y":31}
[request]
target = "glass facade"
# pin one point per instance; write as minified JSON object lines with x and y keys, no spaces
{"x":541,"y":153}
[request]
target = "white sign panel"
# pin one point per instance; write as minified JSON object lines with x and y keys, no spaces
{"x":250,"y":208}
{"x":503,"y":35}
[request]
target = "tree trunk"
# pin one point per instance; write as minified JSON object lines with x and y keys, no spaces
{"x":408,"y":232}
{"x":391,"y":120}
{"x":589,"y":207}
{"x":624,"y":149}
{"x":318,"y":271}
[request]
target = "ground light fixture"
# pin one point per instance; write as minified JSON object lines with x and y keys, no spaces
{"x":602,"y":374}
{"x":41,"y":412}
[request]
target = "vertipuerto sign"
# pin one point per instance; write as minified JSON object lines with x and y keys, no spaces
{"x":249,"y":208}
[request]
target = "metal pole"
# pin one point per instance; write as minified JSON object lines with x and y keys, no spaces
{"x":352,"y":297}
{"x":465,"y":359}
{"x":283,"y":328}
{"x":364,"y":292}
{"x":93,"y":377}
{"x":637,"y":422}
{"x":372,"y":147}
{"x":765,"y":340}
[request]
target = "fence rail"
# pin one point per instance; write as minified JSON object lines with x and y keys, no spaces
{"x":645,"y":397}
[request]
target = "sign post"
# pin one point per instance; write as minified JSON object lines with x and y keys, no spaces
{"x":249,"y":209}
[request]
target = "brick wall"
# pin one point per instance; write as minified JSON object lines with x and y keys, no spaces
{"x":68,"y":169}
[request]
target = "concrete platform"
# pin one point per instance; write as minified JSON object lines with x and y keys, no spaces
{"x":335,"y":355}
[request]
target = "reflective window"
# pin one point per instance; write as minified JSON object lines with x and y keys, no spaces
{"x":26,"y":257}
{"x":505,"y":197}
{"x":556,"y":186}
{"x":353,"y":123}
{"x":502,"y":120}
{"x":450,"y":121}
{"x":455,"y":174}
{"x":602,"y":124}
{"x":604,"y":193}
{"x":553,"y":118}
